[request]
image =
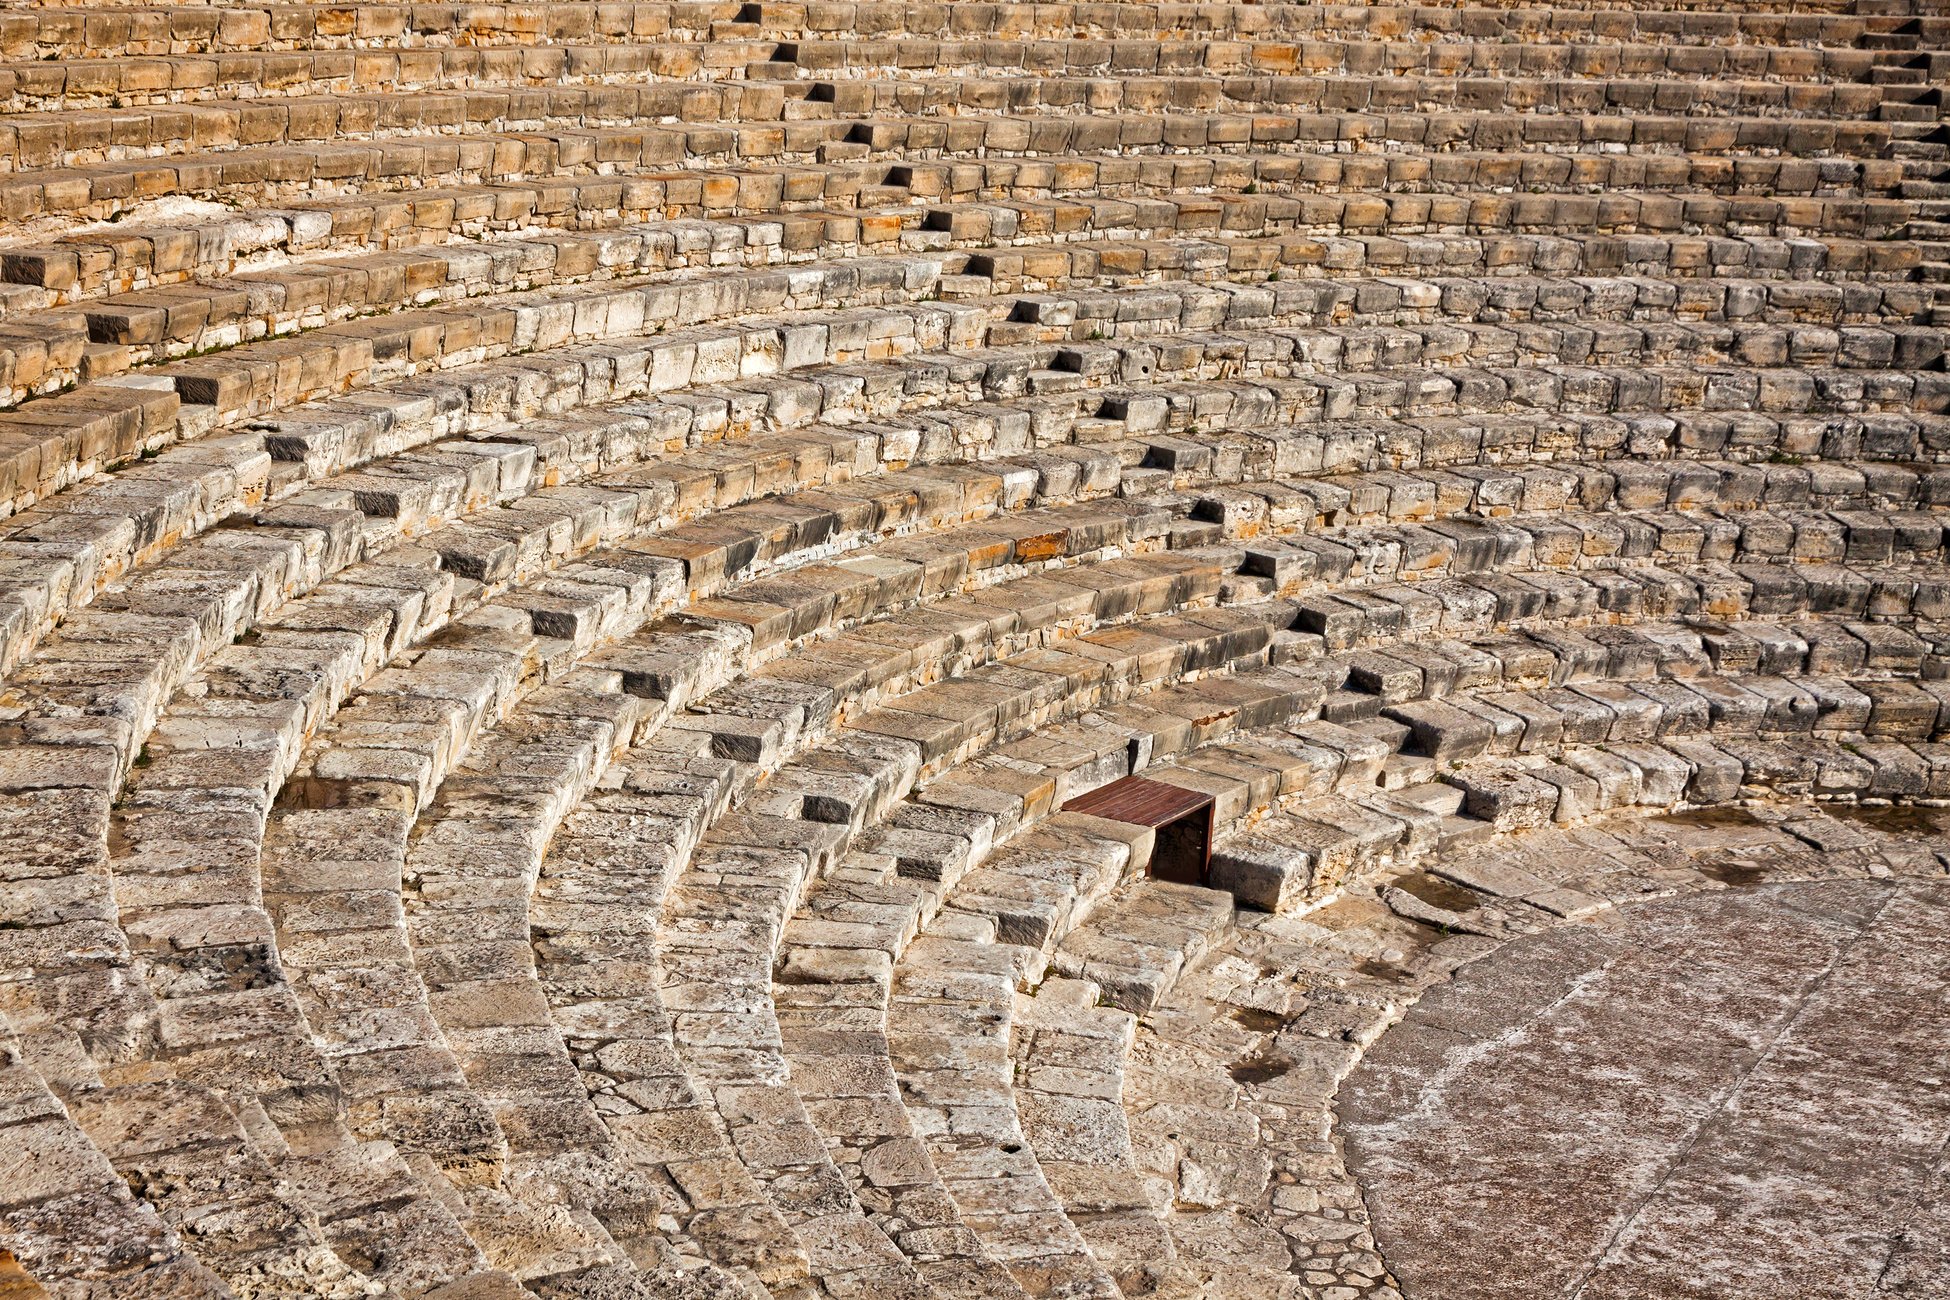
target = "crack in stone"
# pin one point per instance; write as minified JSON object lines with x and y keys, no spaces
{"x":1576,"y":1287}
{"x":1939,"y":1171}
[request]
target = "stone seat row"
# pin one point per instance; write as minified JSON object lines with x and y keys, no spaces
{"x":1279,"y":58}
{"x":260,"y":377}
{"x":66,"y":557}
{"x":1901,"y":86}
{"x":1424,"y":689}
{"x":126,"y":81}
{"x":1341,"y":620}
{"x":1468,"y":152}
{"x":193,"y":30}
{"x":46,"y":351}
{"x":302,"y":176}
{"x":1028,"y":268}
{"x":1065,"y":116}
{"x":617,"y":225}
{"x":1668,"y":232}
{"x":209,"y":478}
{"x":1438,"y":488}
{"x":61,"y":553}
{"x":1284,"y":509}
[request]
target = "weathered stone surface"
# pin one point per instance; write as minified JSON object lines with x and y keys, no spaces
{"x":1684,"y":1101}
{"x":560,"y":565}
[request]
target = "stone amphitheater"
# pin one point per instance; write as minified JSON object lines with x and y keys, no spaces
{"x":678,"y":650}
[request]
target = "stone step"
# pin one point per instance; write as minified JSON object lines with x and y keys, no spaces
{"x":70,"y":1176}
{"x":675,"y":122}
{"x":42,"y":351}
{"x":231,"y":473}
{"x":764,"y":891}
{"x":139,"y":256}
{"x":327,"y":776}
{"x":289,"y":176}
{"x":478,"y":556}
{"x":124,"y":81}
{"x":64,"y":32}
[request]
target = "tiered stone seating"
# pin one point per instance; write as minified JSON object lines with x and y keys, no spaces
{"x":561,"y":562}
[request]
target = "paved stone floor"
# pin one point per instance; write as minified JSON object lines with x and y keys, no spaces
{"x":1741,"y":1094}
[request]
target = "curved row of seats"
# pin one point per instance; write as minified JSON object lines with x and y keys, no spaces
{"x":147,"y":30}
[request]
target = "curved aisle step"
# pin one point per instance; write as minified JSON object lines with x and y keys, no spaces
{"x":87,"y":1020}
{"x":1072,"y":1053}
{"x":736,"y":1072}
{"x":841,"y":946}
{"x":476,"y":1141}
{"x":60,"y":1178}
{"x":698,"y":958}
